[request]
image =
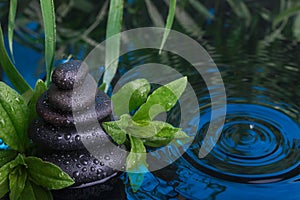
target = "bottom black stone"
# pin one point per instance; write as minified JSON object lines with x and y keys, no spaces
{"x":85,"y":168}
{"x":110,"y":190}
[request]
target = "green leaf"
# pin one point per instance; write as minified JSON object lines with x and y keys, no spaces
{"x":181,"y":135}
{"x":14,"y":118}
{"x":130,"y":96}
{"x":47,"y":174}
{"x":17,"y":179}
{"x":40,"y":192}
{"x":169,"y":23}
{"x":154,"y":133}
{"x":135,"y":162}
{"x":112,"y":47}
{"x":137,"y":154}
{"x":10,"y":70}
{"x":5,"y":170}
{"x":114,"y":131}
{"x":6,"y":156}
{"x":126,"y":125}
{"x":11,"y":24}
{"x":286,"y":14}
{"x":4,"y":187}
{"x":19,"y":160}
{"x":4,"y":184}
{"x":34,"y":192}
{"x":102,"y":87}
{"x":40,"y":88}
{"x":28,"y":192}
{"x":162,"y":99}
{"x":48,"y":13}
{"x":165,"y":134}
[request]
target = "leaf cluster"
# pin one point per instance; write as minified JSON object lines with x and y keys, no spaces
{"x":24,"y":177}
{"x":29,"y":177}
{"x":141,"y":129}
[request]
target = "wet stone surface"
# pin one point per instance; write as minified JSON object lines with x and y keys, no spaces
{"x":73,"y":100}
{"x":70,"y":75}
{"x":102,"y":106}
{"x":62,"y":138}
{"x":65,"y":145}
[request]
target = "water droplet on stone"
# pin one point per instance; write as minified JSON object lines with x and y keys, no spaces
{"x":67,"y":136}
{"x":77,"y":138}
{"x":76,"y":174}
{"x":106,"y":157}
{"x":84,"y":169}
{"x":83,"y":161}
{"x":96,"y":161}
{"x":66,"y":162}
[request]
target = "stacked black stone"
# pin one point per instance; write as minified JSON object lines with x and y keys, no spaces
{"x":73,"y":91}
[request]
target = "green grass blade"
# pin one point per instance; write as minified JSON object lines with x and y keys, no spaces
{"x":48,"y":13}
{"x":286,"y":14}
{"x":11,"y":25}
{"x":169,"y":23}
{"x":112,"y":47}
{"x":10,"y":70}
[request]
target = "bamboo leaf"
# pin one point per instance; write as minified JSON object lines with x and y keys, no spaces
{"x":154,"y":14}
{"x":11,"y":25}
{"x":169,"y":23}
{"x":201,"y":9}
{"x":11,"y":71}
{"x":296,"y":28}
{"x":50,"y":35}
{"x":286,"y":14}
{"x":187,"y":22}
{"x":112,"y":47}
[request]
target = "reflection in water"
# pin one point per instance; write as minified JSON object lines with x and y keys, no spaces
{"x":257,"y":155}
{"x":184,"y":183}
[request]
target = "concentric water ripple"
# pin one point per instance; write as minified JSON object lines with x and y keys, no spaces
{"x":258,"y":144}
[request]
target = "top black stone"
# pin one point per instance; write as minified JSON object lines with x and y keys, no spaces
{"x":70,"y":74}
